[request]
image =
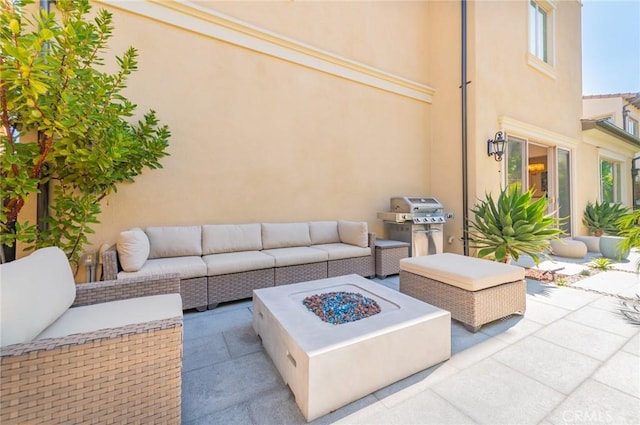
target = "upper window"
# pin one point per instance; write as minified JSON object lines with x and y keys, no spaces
{"x":541,"y":36}
{"x":632,"y":126}
{"x":538,"y":31}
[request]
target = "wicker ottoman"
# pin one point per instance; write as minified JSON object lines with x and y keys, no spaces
{"x":474,"y":290}
{"x":388,"y":256}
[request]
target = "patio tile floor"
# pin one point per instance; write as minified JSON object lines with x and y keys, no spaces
{"x":572,"y":358}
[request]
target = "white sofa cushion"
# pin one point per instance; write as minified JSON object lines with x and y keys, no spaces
{"x":133,"y":249}
{"x":114,"y":314}
{"x":174,"y":241}
{"x":296,"y":256}
{"x":236,"y":262}
{"x":324,"y":232}
{"x":34,"y":292}
{"x":469,"y":273}
{"x":220,"y":238}
{"x":341,"y":251}
{"x":285,"y":235}
{"x":354,"y":233}
{"x":187,"y":267}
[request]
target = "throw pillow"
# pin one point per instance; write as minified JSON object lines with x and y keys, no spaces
{"x":133,"y":249}
{"x":354,"y":233}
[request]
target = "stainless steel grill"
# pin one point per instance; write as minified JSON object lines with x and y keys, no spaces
{"x":417,"y":220}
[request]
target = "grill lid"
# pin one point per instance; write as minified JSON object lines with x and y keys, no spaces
{"x":415,"y":204}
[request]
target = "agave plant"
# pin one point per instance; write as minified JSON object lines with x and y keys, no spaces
{"x":513,"y":225}
{"x":600,"y":263}
{"x":631,"y":310}
{"x":603,"y":218}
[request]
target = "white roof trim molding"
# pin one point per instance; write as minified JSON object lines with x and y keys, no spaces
{"x":532,"y":132}
{"x":209,"y":23}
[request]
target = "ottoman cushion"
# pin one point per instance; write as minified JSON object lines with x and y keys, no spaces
{"x":468,"y":273}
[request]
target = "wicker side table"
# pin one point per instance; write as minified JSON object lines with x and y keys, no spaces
{"x":388,"y":256}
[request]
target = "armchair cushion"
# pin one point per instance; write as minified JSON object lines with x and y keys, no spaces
{"x":34,"y":292}
{"x":114,"y":314}
{"x":133,"y":249}
{"x":354,"y":233}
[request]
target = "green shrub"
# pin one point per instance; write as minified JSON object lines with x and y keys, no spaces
{"x":512,"y":225}
{"x":603,"y":218}
{"x":600,"y":263}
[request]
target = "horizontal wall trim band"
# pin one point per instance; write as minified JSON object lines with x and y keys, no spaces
{"x":213,"y":24}
{"x":535,"y":133}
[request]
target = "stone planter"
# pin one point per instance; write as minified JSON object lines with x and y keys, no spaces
{"x":592,"y":242}
{"x":611,"y":247}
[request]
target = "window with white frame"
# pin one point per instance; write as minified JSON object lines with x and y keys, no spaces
{"x":541,"y":30}
{"x":610,"y":181}
{"x":632,"y":126}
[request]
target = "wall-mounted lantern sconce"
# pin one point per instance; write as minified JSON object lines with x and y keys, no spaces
{"x":496,"y":146}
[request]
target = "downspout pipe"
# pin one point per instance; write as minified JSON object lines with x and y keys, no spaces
{"x":463,"y":86}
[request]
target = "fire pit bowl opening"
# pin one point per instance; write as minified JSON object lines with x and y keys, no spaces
{"x":341,"y":307}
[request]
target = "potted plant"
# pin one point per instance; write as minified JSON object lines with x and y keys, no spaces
{"x":629,"y":236}
{"x":601,"y":218}
{"x":513,"y":225}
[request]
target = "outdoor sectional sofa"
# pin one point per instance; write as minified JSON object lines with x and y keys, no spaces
{"x":226,"y":262}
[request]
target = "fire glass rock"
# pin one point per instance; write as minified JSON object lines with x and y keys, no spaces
{"x":341,"y":307}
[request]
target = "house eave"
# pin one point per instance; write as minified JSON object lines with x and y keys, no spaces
{"x":611,"y":129}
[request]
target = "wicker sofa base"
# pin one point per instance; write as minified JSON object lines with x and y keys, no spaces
{"x":237,"y":286}
{"x":194,"y":293}
{"x":130,"y":374}
{"x":364,"y":266}
{"x":301,"y":273}
{"x":472,"y":308}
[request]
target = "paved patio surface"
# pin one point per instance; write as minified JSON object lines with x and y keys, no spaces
{"x":572,"y":359}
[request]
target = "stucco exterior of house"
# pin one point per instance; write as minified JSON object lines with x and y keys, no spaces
{"x":611,"y":134}
{"x":302,"y":110}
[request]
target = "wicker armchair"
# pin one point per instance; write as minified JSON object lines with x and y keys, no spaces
{"x":130,"y":373}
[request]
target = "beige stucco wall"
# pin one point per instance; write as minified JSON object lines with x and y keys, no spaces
{"x":597,"y":108}
{"x":256,"y":138}
{"x":503,"y":87}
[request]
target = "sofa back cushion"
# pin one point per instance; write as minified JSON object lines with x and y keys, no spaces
{"x":36,"y":290}
{"x":284,"y":235}
{"x":220,"y":238}
{"x":133,"y":249}
{"x":324,"y":232}
{"x":174,"y":241}
{"x":354,"y":233}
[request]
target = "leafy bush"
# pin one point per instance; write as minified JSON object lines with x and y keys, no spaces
{"x":512,"y":226}
{"x":603,"y":218}
{"x":52,"y":88}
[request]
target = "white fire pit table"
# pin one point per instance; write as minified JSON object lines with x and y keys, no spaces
{"x":328,"y":366}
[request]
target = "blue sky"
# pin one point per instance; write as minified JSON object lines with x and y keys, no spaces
{"x":610,"y":46}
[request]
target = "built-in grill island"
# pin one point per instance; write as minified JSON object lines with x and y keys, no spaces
{"x":417,"y":220}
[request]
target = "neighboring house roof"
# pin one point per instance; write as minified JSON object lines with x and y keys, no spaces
{"x":610,"y":128}
{"x":632,"y":98}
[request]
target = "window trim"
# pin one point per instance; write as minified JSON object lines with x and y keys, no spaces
{"x":619,"y":184}
{"x":547,"y":67}
{"x":634,"y":122}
